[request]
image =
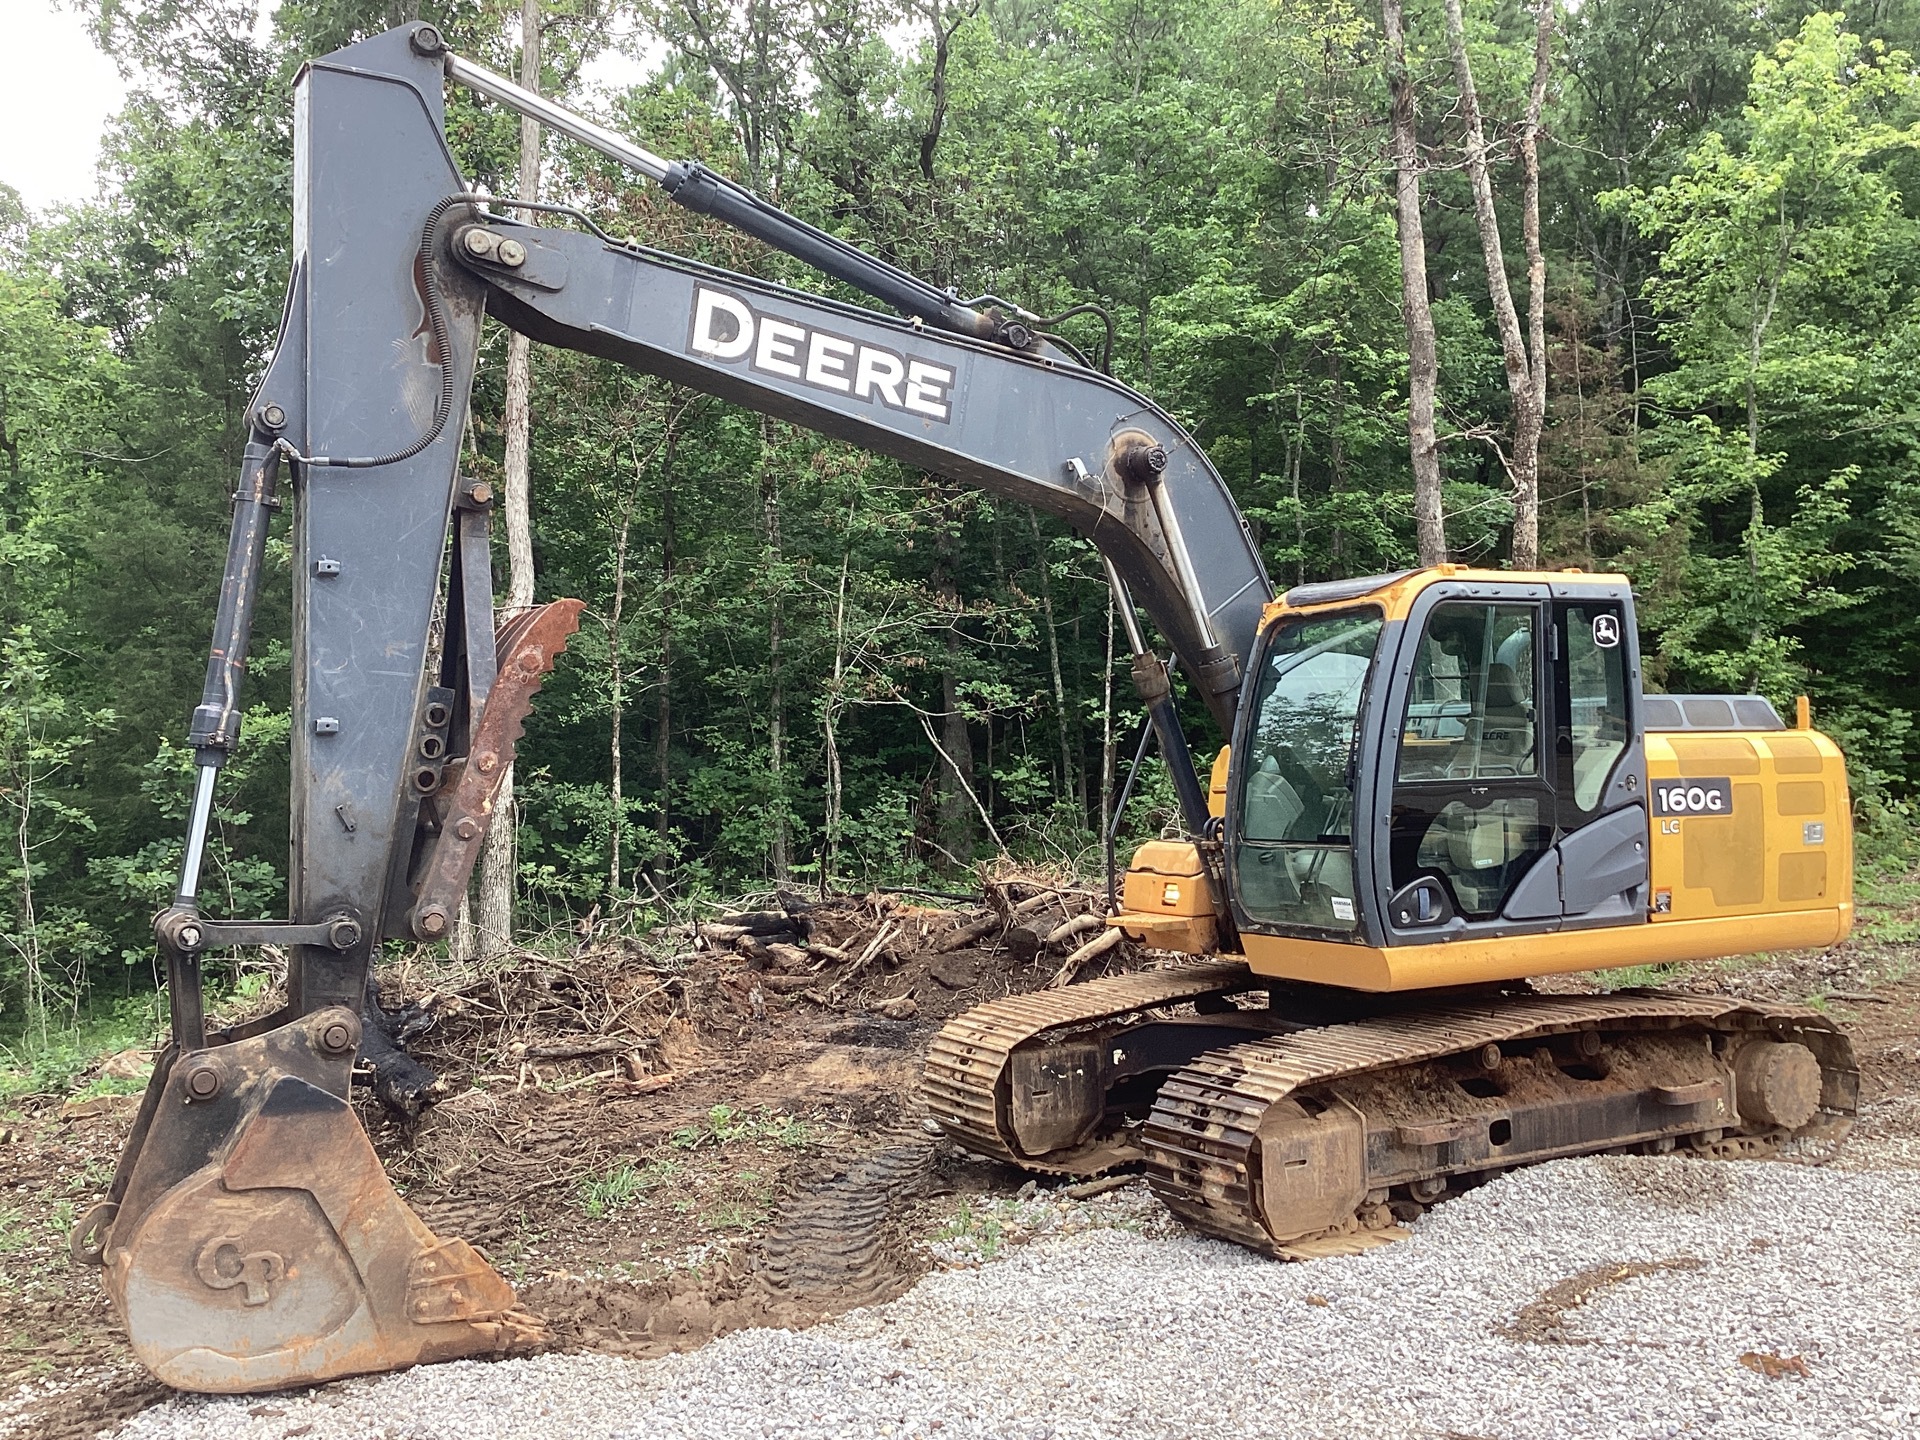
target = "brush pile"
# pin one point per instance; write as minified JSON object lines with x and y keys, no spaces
{"x":616,"y":1008}
{"x":882,"y":951}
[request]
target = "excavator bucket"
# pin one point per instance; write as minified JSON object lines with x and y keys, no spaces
{"x":256,"y":1243}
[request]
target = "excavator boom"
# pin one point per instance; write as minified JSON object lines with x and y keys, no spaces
{"x":250,"y":1239}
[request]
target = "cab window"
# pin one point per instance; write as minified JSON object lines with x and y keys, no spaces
{"x":1596,"y":706}
{"x":1471,"y":807}
{"x":1294,"y":863}
{"x":1470,"y":715}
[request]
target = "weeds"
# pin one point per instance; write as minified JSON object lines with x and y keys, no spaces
{"x":985,"y":1233}
{"x":725,"y":1125}
{"x":621,"y":1185}
{"x":29,"y":1066}
{"x":1634,"y":977}
{"x":15,"y":1233}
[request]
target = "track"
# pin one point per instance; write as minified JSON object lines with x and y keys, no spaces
{"x":1301,"y":1141}
{"x":834,"y":1236}
{"x":969,"y":1062}
{"x":1392,"y":1084}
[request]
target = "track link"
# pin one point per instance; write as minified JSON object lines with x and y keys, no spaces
{"x":1203,"y":1137}
{"x":965,"y":1084}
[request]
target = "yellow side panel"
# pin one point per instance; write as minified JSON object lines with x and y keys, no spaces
{"x":1775,"y":872}
{"x":1166,"y":901}
{"x":1166,"y":878}
{"x":1217,"y":785}
{"x":1787,"y":844}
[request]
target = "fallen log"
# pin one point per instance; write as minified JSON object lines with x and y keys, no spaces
{"x":786,"y":957}
{"x":761,"y":922}
{"x":1093,"y":949}
{"x":987,"y":924}
{"x":1078,"y":925}
{"x":583,"y":1049}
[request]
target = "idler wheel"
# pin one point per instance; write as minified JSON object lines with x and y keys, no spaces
{"x":1778,"y":1083}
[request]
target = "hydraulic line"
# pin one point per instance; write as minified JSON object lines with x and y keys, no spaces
{"x":1156,"y":691}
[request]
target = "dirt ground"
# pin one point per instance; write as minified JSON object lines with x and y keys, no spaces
{"x":647,"y":1143}
{"x":660,"y":1143}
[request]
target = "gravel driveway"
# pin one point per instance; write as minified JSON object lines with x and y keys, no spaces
{"x":1615,"y":1297}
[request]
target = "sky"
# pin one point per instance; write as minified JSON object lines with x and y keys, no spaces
{"x":57,"y":91}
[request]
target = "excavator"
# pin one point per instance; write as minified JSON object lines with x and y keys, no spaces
{"x":1439,"y":785}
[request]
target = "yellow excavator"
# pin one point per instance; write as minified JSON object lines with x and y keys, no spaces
{"x":1442,"y":783}
{"x":1438,"y":783}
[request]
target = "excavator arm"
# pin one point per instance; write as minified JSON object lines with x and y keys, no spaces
{"x":250,"y":1239}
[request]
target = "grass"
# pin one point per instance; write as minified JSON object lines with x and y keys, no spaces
{"x":620,"y":1185}
{"x":1887,"y":902}
{"x":16,"y":1233}
{"x":1635,"y":977}
{"x":55,"y":1066}
{"x":725,"y":1125}
{"x":986,"y":1232}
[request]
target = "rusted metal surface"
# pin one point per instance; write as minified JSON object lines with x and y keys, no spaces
{"x":258,"y":1243}
{"x":527,"y":647}
{"x":1295,"y":1143}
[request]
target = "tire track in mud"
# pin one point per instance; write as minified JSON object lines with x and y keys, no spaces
{"x":834,"y":1244}
{"x":838,"y":1236}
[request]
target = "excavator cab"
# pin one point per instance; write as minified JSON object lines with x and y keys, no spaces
{"x":1448,"y":777}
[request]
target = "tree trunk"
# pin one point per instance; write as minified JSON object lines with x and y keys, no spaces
{"x":494,"y":913}
{"x":779,"y":859}
{"x":1294,"y":447}
{"x":956,"y":773}
{"x":830,"y":716}
{"x":1527,"y":389}
{"x":616,"y":687}
{"x":663,"y":708}
{"x":1336,"y":452}
{"x":1423,"y":363}
{"x":1067,"y":786}
{"x":1527,"y":509}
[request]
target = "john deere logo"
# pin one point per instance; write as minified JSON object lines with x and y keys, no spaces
{"x":726,"y":328}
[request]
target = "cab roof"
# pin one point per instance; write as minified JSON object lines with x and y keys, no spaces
{"x":1395,"y":592}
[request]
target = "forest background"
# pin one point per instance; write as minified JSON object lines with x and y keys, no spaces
{"x":806,"y":665}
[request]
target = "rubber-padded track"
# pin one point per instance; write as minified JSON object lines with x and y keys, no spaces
{"x":967,"y":1061}
{"x":1202,"y":1137}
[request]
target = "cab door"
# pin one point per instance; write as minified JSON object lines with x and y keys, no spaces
{"x":1515,"y":798}
{"x":1473,"y":803}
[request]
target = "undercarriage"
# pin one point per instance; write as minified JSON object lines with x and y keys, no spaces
{"x":1305,"y":1122}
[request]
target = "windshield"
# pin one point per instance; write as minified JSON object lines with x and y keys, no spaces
{"x":1295,"y":859}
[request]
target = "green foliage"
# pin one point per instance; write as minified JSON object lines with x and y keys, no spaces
{"x":725,"y":1125}
{"x":1788,"y":287}
{"x":785,"y":628}
{"x":53,"y":1065}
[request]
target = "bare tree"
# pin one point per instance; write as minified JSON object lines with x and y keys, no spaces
{"x":1423,"y":361}
{"x":1526,"y":366}
{"x":494,"y":916}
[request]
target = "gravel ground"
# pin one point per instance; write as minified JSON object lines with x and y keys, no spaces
{"x":1609,"y":1297}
